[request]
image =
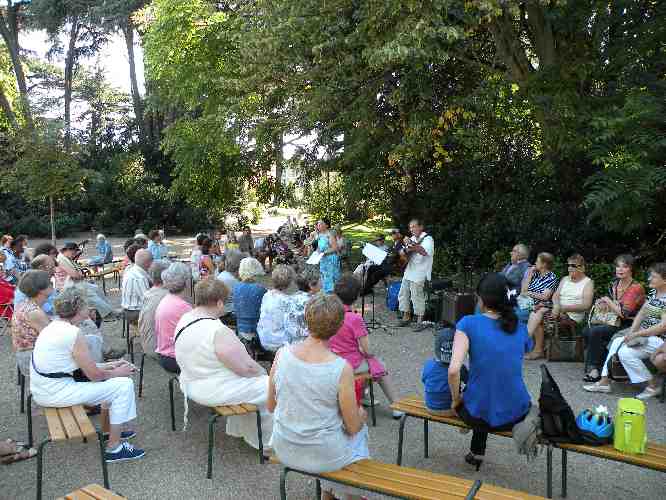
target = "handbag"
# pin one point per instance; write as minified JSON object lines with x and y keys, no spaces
{"x":616,"y":371}
{"x":599,"y":317}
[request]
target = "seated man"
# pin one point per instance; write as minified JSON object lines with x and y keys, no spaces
{"x":362,"y":269}
{"x":515,"y":270}
{"x":136,"y":283}
{"x":151,"y":300}
{"x":104,"y":252}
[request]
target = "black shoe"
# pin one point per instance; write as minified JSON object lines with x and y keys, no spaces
{"x":113,"y":354}
{"x":93,"y":410}
{"x":472,"y":460}
{"x":587,"y":378}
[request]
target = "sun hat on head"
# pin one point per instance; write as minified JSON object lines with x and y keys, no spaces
{"x":444,"y":346}
{"x":100,"y":236}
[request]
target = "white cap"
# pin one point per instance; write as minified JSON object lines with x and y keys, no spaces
{"x":100,"y":236}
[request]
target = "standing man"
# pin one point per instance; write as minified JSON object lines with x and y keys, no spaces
{"x":246,"y":242}
{"x":419,"y":251}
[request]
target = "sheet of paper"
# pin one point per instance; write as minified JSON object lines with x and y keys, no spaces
{"x":314,"y":258}
{"x":375,"y":254}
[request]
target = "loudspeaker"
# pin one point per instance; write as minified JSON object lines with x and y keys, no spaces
{"x":455,"y":305}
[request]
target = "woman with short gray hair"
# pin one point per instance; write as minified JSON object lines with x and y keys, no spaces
{"x":63,"y":374}
{"x":309,"y":284}
{"x":168,"y":314}
{"x":151,"y":299}
{"x":274,"y":309}
{"x":247,"y":296}
{"x":29,"y":318}
{"x":228,"y":274}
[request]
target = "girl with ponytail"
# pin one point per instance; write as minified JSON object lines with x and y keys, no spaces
{"x":495,"y":398}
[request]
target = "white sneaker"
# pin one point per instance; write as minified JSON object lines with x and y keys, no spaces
{"x":649,"y":392}
{"x":398,"y":414}
{"x":597,"y":387}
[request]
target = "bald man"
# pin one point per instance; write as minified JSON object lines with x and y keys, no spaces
{"x":136,"y":283}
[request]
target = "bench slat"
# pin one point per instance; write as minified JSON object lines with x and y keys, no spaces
{"x":77,"y":495}
{"x":225,"y":411}
{"x":249,"y":407}
{"x":56,"y":431}
{"x":83,"y":421}
{"x":238,"y":410}
{"x":69,"y":423}
{"x":654,"y":458}
{"x":414,"y":483}
{"x":99,"y":493}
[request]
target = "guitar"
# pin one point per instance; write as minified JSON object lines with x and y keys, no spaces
{"x":408,"y":243}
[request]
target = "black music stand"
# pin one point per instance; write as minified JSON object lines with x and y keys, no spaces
{"x":372,"y":324}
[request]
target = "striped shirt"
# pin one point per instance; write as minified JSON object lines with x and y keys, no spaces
{"x":542,"y":282}
{"x":135,"y":284}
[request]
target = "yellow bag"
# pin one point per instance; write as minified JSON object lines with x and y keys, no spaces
{"x":630,"y":426}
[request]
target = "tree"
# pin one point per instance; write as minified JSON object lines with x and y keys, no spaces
{"x":45,"y":171}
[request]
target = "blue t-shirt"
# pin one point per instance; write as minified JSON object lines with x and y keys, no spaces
{"x":247,"y":299}
{"x":495,"y":391}
{"x":435,"y":378}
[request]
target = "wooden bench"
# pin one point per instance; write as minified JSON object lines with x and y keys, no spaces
{"x":92,"y":492}
{"x":365,"y":376}
{"x":230,"y":411}
{"x":404,"y":482}
{"x":65,"y":424}
{"x":654,"y":458}
{"x":115,"y":272}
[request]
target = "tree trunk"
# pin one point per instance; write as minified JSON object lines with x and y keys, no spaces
{"x":9,"y":29}
{"x":52,"y":217}
{"x":70,"y":63}
{"x":128,"y":31}
{"x":279,"y":160}
{"x":7,"y":108}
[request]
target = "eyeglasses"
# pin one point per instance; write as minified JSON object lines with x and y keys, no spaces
{"x":573,"y":265}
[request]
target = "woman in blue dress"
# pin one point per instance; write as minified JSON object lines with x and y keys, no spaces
{"x":329,"y":265}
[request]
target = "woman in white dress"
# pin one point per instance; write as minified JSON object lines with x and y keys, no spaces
{"x":63,"y":373}
{"x":215,"y":366}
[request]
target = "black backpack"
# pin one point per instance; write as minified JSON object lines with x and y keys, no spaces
{"x":557,"y":418}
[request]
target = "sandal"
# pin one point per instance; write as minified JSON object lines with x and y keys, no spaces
{"x":17,"y":457}
{"x":11,"y":447}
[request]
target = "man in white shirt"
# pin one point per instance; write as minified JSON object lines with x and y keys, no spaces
{"x":136,"y":283}
{"x":419,"y":249}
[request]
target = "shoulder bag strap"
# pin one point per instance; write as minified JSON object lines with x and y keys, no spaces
{"x":188,"y":325}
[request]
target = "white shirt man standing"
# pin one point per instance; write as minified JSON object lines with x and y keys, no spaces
{"x":420,"y":250}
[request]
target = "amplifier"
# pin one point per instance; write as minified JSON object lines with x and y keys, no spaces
{"x":455,"y":305}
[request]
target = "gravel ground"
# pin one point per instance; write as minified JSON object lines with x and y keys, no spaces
{"x":175,"y":462}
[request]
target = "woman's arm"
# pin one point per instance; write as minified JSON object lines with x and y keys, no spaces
{"x":526,"y":281}
{"x":556,"y":300}
{"x":271,"y":402}
{"x":353,"y":416}
{"x":460,"y":350}
{"x":653,"y":331}
{"x":232,"y":354}
{"x":547,"y":293}
{"x":38,"y":319}
{"x":84,"y":361}
{"x":636,"y":324}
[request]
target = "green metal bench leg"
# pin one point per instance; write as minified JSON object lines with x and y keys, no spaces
{"x":401,"y":436}
{"x":662,"y":398}
{"x":22,"y":379}
{"x":261,"y":443}
{"x":29,"y":417}
{"x":549,"y":472}
{"x":564,"y":473}
{"x":283,"y":483}
{"x":425,"y":438}
{"x":173,"y":410}
{"x":211,"y":443}
{"x":372,"y":404}
{"x":40,"y":465}
{"x":143,"y":360}
{"x":317,"y":489}
{"x":474,"y":490}
{"x":105,"y":471}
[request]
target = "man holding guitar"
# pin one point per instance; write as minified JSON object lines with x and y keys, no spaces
{"x":419,"y":251}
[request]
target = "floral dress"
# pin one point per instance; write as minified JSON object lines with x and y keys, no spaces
{"x":329,"y":265}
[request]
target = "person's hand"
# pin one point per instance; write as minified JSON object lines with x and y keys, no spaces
{"x":630,"y":336}
{"x":555,"y":312}
{"x":124,"y":370}
{"x":362,"y":414}
{"x":456,"y":402}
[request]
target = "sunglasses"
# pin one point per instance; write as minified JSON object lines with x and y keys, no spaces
{"x":573,"y":265}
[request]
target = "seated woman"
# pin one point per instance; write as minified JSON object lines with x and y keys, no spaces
{"x":152,"y":299}
{"x":351,"y":341}
{"x":156,"y":246}
{"x":61,"y":359}
{"x":228,"y":274}
{"x":206,"y":265}
{"x":274,"y":309}
{"x":318,"y":426}
{"x":169,"y":312}
{"x":655,"y":386}
{"x":68,"y":274}
{"x":572,"y":299}
{"x":215,"y":366}
{"x":29,"y":317}
{"x":495,"y":397}
{"x":247,"y":297}
{"x":537,"y":286}
{"x":645,"y":337}
{"x":625,"y":297}
{"x":104,"y":252}
{"x":308,"y":284}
